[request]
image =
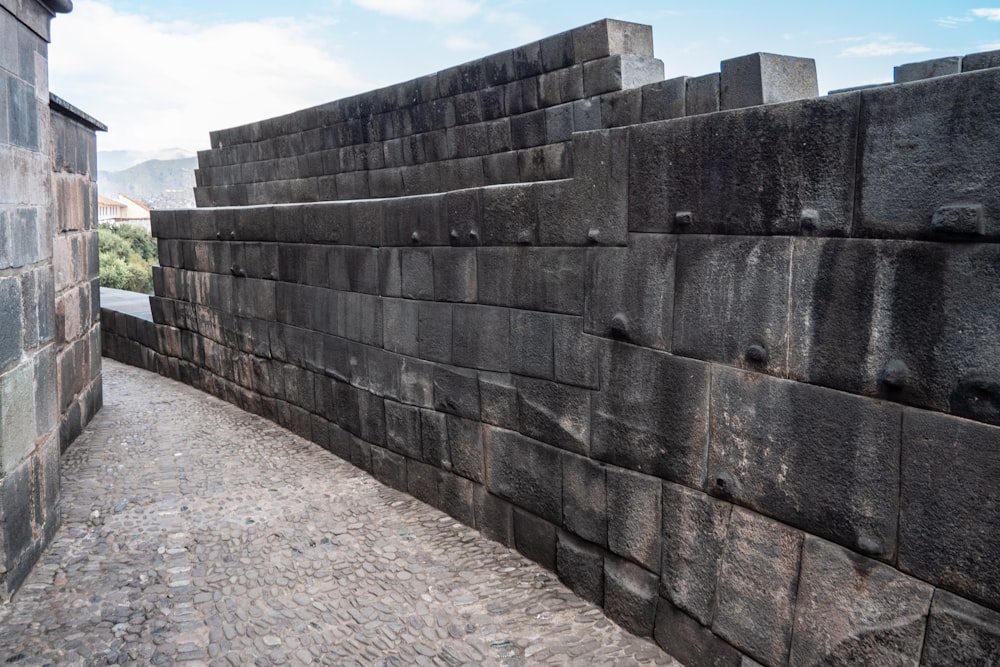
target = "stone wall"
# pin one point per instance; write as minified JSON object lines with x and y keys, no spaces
{"x":41,"y":325}
{"x":731,"y":374}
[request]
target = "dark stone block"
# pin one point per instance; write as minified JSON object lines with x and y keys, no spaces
{"x":621,"y":108}
{"x":417,"y":273}
{"x":456,"y":496}
{"x":402,"y":429}
{"x":510,"y":215}
{"x":495,"y":519}
{"x":932,"y":305}
{"x":559,"y":123}
{"x":468,"y":108}
{"x":809,"y":145}
{"x":694,"y":534}
{"x":983,"y":60}
{"x":389,"y":468}
{"x":960,"y":633}
{"x":758,"y":582}
{"x":634,"y":526}
{"x":652,"y":413}
{"x":554,"y":413}
{"x":580,"y":566}
{"x":852,"y":610}
{"x":525,"y":472}
{"x":823,"y":461}
{"x":15,"y":492}
{"x":687,"y":640}
{"x":535,"y":538}
{"x":630,"y":595}
{"x":434,"y":328}
{"x":465,"y":448}
{"x":422,"y":482}
{"x":399,"y":320}
{"x":731,"y":301}
{"x":10,"y":315}
{"x":455,"y":274}
{"x":947,"y":513}
{"x":481,"y":337}
{"x":498,"y":68}
{"x":575,"y":354}
{"x":528,"y":129}
{"x":585,"y":504}
{"x":456,"y":391}
{"x":499,"y":400}
{"x":434,"y":439}
{"x":416,"y":382}
{"x":547,"y":279}
{"x":630,"y":291}
{"x":462,"y":214}
{"x":372,"y":411}
{"x":926,"y":145}
{"x":664,"y":100}
{"x":531,"y":349}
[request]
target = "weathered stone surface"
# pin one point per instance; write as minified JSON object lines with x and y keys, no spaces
{"x":634,"y":507}
{"x":694,"y":529}
{"x":688,"y":640}
{"x":776,"y":163}
{"x":465,"y":448}
{"x":843,"y":290}
{"x":664,"y":100}
{"x":960,"y":632}
{"x":575,"y":355}
{"x":402,"y":429}
{"x":927,"y":145}
{"x":584,"y":497}
{"x":758,"y":583}
{"x":731,"y":301}
{"x":821,"y":460}
{"x":498,"y":397}
{"x":531,"y":350}
{"x":481,"y":337}
{"x":607,"y":37}
{"x":10,"y":314}
{"x":549,"y":279}
{"x":927,"y":69}
{"x":630,"y":291}
{"x":525,"y":472}
{"x":389,"y":468}
{"x":702,"y":94}
{"x":983,"y":60}
{"x":630,"y":595}
{"x":456,"y":391}
{"x":554,"y":413}
{"x":434,"y":331}
{"x":456,"y":496}
{"x":852,"y":610}
{"x":17,"y":415}
{"x":580,"y":566}
{"x":535,"y":538}
{"x":766,"y":78}
{"x":651,"y":414}
{"x":947,"y":504}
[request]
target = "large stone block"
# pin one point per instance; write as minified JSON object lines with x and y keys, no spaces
{"x":821,"y":460}
{"x":389,"y":468}
{"x":630,"y":291}
{"x":779,"y":170}
{"x":456,"y":497}
{"x":495,"y":518}
{"x":465,"y":448}
{"x":925,"y":147}
{"x":554,"y":413}
{"x":694,"y":534}
{"x":634,"y":506}
{"x":481,"y":337}
{"x":525,"y":472}
{"x":455,"y":274}
{"x":702,"y":94}
{"x":585,"y":502}
{"x":548,"y":279}
{"x":417,"y":273}
{"x":400,"y":322}
{"x":932,"y":306}
{"x":580,"y":566}
{"x":620,"y":72}
{"x":651,"y":414}
{"x":535,"y":538}
{"x":758,"y":584}
{"x":510,"y":215}
{"x":927,"y":69}
{"x":630,"y":595}
{"x":498,"y":397}
{"x":982,"y":60}
{"x":766,"y":78}
{"x":17,"y":415}
{"x":10,"y":315}
{"x":731,"y":301}
{"x":960,"y":632}
{"x":852,"y":610}
{"x":434,"y":439}
{"x":402,"y":430}
{"x":664,"y":100}
{"x":15,"y":522}
{"x":948,"y":504}
{"x":434,"y":331}
{"x":608,"y":37}
{"x":686,"y":639}
{"x":531,"y":350}
{"x":575,"y":354}
{"x":456,"y":391}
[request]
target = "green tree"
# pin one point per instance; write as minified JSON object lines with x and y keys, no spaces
{"x":127,"y":255}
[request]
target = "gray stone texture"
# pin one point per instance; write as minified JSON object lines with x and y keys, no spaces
{"x":960,"y":632}
{"x":651,"y":414}
{"x":927,"y":69}
{"x":634,"y":506}
{"x":852,"y":610}
{"x":766,"y":78}
{"x":525,"y":472}
{"x":580,"y":565}
{"x":821,"y":460}
{"x":702,"y":94}
{"x":926,"y":145}
{"x":554,"y":413}
{"x":946,"y":504}
{"x":776,"y":163}
{"x":17,"y":416}
{"x":983,"y":60}
{"x":630,"y":595}
{"x":758,"y":584}
{"x":688,"y":640}
{"x":584,"y":497}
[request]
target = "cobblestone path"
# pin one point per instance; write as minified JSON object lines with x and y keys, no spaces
{"x":196,"y":533}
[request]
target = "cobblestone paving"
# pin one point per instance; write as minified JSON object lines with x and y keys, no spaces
{"x":195,"y":533}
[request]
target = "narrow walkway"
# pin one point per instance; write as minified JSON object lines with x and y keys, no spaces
{"x":196,"y":533}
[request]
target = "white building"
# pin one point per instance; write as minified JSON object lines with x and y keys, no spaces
{"x":123,"y":209}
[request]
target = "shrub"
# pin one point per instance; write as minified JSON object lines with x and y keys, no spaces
{"x":127,"y":255}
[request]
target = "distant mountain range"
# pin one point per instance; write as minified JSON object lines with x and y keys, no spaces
{"x":158,"y":183}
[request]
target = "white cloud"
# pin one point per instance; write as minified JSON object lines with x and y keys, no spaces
{"x":160,"y":85}
{"x":882,"y":47}
{"x":432,"y":11}
{"x":462,"y":43}
{"x":952,"y":21}
{"x":988,"y":13}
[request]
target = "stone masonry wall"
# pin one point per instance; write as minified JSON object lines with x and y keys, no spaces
{"x":731,"y":374}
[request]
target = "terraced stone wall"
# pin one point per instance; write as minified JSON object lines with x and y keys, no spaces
{"x":732,"y":374}
{"x":49,"y":343}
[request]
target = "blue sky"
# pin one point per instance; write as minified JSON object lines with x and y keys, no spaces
{"x":164,"y":74}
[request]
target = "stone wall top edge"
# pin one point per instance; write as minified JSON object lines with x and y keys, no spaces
{"x":63,"y":107}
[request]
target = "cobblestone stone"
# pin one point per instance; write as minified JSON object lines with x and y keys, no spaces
{"x":196,"y":533}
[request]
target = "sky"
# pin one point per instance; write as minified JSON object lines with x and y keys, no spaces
{"x":162,"y":75}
